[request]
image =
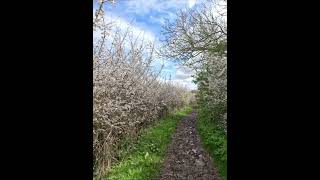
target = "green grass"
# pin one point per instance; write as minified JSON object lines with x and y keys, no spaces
{"x":141,"y":160}
{"x":214,"y":140}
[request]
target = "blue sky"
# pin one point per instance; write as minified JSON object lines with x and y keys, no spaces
{"x":147,"y":16}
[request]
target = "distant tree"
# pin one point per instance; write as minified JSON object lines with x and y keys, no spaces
{"x":198,"y":39}
{"x":195,"y":33}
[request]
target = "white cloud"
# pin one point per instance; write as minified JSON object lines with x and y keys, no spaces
{"x":191,"y":3}
{"x":158,"y":20}
{"x":183,"y":73}
{"x":186,"y":83}
{"x":123,"y":25}
{"x":183,"y":77}
{"x":136,"y":31}
{"x":143,"y":7}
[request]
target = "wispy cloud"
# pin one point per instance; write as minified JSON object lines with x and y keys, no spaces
{"x":178,"y":74}
{"x":143,"y":7}
{"x":158,"y":10}
{"x":157,"y":19}
{"x":183,"y":76}
{"x":183,"y":73}
{"x":124,"y":25}
{"x":191,"y":3}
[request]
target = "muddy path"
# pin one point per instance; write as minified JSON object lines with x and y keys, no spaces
{"x":186,"y":159}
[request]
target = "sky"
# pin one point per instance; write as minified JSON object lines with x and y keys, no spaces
{"x":145,"y":17}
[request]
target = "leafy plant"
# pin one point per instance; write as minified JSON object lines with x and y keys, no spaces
{"x":214,"y":140}
{"x":141,"y":162}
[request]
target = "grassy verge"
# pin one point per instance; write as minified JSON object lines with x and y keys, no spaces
{"x":214,"y":140}
{"x":142,"y":159}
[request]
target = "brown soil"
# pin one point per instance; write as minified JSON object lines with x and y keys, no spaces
{"x":185,"y":157}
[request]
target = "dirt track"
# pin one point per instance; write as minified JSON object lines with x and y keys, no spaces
{"x":185,"y":157}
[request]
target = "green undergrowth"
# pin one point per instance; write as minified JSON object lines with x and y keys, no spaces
{"x":141,"y":160}
{"x":214,"y":140}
